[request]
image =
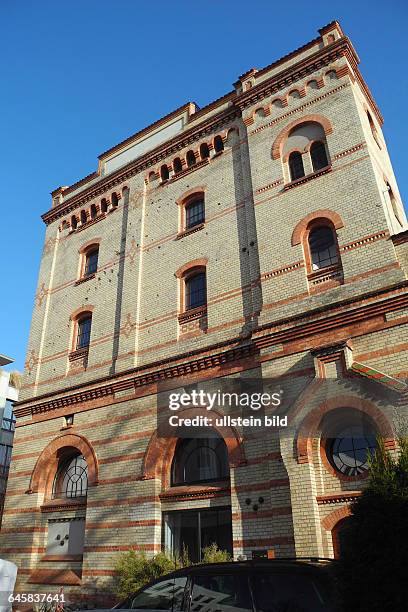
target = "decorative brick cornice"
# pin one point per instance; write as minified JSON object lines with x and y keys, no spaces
{"x":312,"y":63}
{"x":196,"y":166}
{"x":336,"y":498}
{"x":142,"y":163}
{"x":160,"y":373}
{"x":322,"y":57}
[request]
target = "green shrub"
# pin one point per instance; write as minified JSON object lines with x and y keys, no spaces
{"x":212,"y":554}
{"x":371,"y":572}
{"x":135,"y":569}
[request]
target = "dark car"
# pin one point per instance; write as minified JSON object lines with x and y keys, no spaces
{"x":261,"y":585}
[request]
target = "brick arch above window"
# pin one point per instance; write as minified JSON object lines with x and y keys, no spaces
{"x":280,"y":139}
{"x":310,"y":427}
{"x":195,"y":264}
{"x":323,"y":215}
{"x":159,"y":455}
{"x":81,"y":312}
{"x":47,"y":463}
{"x":331,"y":520}
{"x":187,"y":196}
{"x":90,"y":244}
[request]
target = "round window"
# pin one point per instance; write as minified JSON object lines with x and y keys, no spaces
{"x":348,"y":452}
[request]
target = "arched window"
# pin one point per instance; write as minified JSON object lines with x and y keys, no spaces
{"x":114,"y":199}
{"x":313,"y":84}
{"x":190,"y":157}
{"x":83,"y":336}
{"x":83,"y":217}
{"x":277,"y":104}
{"x":294,"y":95}
{"x":94,"y":211}
{"x":194,"y":212}
{"x":195,"y":290}
{"x":204,"y":151}
{"x":104,"y":206}
{"x":296,"y":168}
{"x":349,"y":439}
{"x":164,"y":172}
{"x":74,"y":222}
{"x":394,"y":204}
{"x":323,"y":247}
{"x":91,"y":261}
{"x":199,"y":460}
{"x":373,"y":129}
{"x":303,"y":138}
{"x":318,"y":156}
{"x":71,"y":479}
{"x":218,"y":144}
{"x":177,"y":165}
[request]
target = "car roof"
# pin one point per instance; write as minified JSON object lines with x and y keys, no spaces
{"x":308,"y":563}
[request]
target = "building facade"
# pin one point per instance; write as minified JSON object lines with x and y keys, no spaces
{"x":261,"y":236}
{"x":9,"y":384}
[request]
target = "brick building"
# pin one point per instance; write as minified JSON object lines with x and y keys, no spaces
{"x":262,"y":235}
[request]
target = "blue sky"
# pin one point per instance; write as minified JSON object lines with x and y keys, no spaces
{"x":79,"y":76}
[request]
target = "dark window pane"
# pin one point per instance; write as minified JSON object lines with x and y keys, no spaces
{"x":196,"y":291}
{"x":160,"y":596}
{"x":212,"y":593}
{"x":349,"y":450}
{"x":322,"y":248}
{"x":71,"y":479}
{"x":191,"y":531}
{"x":195,"y":213}
{"x":296,"y":166}
{"x":216,"y":529}
{"x":91,"y":262}
{"x":84,"y":333}
{"x":291,"y":592}
{"x":200,"y":460}
{"x":218,"y":144}
{"x":319,"y":156}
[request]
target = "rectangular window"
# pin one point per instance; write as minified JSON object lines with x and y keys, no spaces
{"x":84,"y":333}
{"x":194,"y":530}
{"x":91,"y":263}
{"x":9,"y":420}
{"x":196,"y":293}
{"x":194,"y":213}
{"x":66,"y":536}
{"x":5,"y":458}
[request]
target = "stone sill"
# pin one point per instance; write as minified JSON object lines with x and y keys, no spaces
{"x":309,"y":177}
{"x":192,"y":315}
{"x":78,"y":354}
{"x":64,"y":558}
{"x":59,"y":577}
{"x":85,"y":278}
{"x":190,"y":230}
{"x":330,"y":271}
{"x":62,"y":505}
{"x":197,"y":491}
